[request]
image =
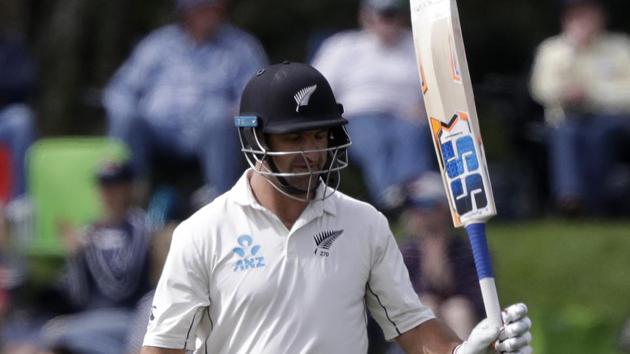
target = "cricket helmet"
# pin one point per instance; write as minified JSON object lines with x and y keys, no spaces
{"x":292,"y":98}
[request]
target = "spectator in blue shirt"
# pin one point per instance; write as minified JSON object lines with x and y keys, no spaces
{"x":17,"y":82}
{"x":177,"y":93}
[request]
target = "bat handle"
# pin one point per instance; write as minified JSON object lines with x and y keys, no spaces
{"x":483,"y":264}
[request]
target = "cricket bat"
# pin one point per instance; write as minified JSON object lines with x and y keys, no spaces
{"x":450,"y":105}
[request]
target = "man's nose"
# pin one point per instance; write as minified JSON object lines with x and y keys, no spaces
{"x":311,"y":155}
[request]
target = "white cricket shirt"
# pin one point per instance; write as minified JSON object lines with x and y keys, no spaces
{"x":237,"y":281}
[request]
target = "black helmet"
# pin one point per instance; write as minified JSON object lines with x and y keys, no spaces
{"x":290,"y":98}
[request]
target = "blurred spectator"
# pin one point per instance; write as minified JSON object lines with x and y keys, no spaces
{"x":177,"y":93}
{"x":107,"y":271}
{"x":623,"y":340}
{"x":440,"y":261}
{"x":373,"y":72}
{"x":160,"y":245}
{"x":4,"y":294}
{"x":17,"y":81}
{"x":582,"y":78}
{"x":166,"y":202}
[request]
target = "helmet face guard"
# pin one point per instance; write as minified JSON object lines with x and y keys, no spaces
{"x":260,"y":159}
{"x":292,"y":98}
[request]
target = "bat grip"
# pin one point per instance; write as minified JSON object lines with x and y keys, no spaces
{"x":483,"y":264}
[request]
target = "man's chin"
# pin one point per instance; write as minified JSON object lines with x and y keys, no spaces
{"x":303,"y":183}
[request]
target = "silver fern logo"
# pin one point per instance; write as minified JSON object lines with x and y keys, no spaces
{"x":324,"y":241}
{"x":303,"y":96}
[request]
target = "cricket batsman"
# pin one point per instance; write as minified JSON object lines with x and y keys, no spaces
{"x":283,"y":263}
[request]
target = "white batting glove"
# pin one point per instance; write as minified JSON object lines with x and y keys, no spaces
{"x":513,"y":338}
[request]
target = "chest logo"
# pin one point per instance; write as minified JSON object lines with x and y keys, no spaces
{"x":324,"y":240}
{"x":248,"y":253}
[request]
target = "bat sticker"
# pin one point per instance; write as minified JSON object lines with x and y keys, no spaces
{"x":461,"y":163}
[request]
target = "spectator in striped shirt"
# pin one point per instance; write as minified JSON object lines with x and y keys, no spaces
{"x":107,"y":271}
{"x":177,"y":93}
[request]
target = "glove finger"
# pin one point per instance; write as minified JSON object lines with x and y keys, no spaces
{"x":484,"y":334}
{"x":515,"y":343}
{"x":526,"y":350}
{"x":515,"y":329}
{"x":514,"y":313}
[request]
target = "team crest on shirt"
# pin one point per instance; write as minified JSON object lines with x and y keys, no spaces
{"x":324,"y":240}
{"x":248,"y":253}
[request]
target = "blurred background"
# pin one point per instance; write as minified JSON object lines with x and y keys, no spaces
{"x":572,"y":269}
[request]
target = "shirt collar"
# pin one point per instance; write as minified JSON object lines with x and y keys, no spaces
{"x":243,"y":195}
{"x":213,"y":40}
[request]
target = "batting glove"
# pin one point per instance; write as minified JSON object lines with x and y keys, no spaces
{"x":513,"y":338}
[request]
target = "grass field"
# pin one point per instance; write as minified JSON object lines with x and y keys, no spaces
{"x":575,"y":277}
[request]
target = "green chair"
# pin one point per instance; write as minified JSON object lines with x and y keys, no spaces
{"x":62,"y":185}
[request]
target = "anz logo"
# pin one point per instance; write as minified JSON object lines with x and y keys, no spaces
{"x":248,"y":253}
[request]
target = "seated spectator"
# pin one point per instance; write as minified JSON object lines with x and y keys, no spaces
{"x":107,"y":271}
{"x":440,"y":261}
{"x":177,"y":93}
{"x":17,"y":80}
{"x":373,"y":71}
{"x":582,"y":78}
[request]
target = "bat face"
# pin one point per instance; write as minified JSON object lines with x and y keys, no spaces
{"x":450,"y":105}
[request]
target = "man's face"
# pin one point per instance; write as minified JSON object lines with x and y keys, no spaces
{"x":306,"y":161}
{"x":582,"y":23}
{"x":386,"y":25}
{"x":116,"y":196}
{"x":203,"y":20}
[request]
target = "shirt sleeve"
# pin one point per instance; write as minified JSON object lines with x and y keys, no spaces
{"x":610,"y":92}
{"x":181,"y":296}
{"x":550,"y":73}
{"x":76,"y":279}
{"x":330,"y":61}
{"x":122,"y":94}
{"x":390,"y":297}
